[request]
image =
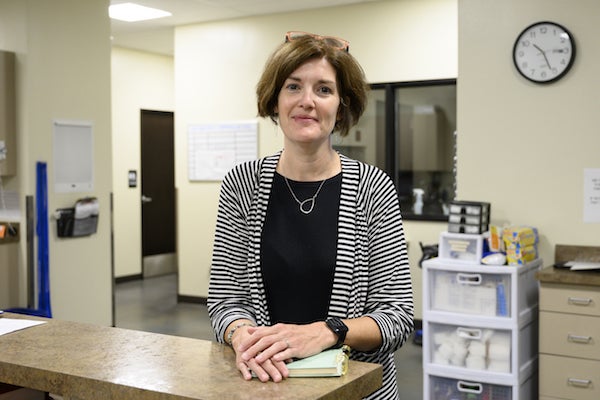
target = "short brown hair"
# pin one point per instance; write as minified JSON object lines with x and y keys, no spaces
{"x":351,"y":81}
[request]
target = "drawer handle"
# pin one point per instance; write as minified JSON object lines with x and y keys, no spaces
{"x":469,"y":279}
{"x":469,"y":387}
{"x":466,"y":333}
{"x":579,"y":382}
{"x":580,"y":301}
{"x":579,"y":338}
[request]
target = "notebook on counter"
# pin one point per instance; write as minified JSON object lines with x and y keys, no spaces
{"x":328,"y":363}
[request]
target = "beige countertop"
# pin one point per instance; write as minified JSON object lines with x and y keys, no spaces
{"x":565,"y":276}
{"x":85,"y":361}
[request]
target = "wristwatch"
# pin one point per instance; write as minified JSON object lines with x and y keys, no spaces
{"x":339,"y":328}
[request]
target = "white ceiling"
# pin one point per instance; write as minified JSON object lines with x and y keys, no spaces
{"x":157,"y":35}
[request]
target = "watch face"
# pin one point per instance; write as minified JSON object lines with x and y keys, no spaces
{"x":544,"y":52}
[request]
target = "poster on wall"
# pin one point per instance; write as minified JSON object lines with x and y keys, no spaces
{"x":591,"y":195}
{"x":215,"y":148}
{"x":73,"y":156}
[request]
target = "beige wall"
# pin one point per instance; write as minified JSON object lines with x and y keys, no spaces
{"x":218,"y":64}
{"x":63,"y":72}
{"x":140,"y":81}
{"x":524,"y":146}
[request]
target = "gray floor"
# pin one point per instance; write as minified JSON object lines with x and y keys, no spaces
{"x":151,"y":305}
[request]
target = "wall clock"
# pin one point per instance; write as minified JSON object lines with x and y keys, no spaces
{"x":544,"y":52}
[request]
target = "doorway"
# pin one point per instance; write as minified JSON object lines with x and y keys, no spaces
{"x":159,"y":255}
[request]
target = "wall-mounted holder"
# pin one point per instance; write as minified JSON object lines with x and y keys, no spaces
{"x":80,"y":220}
{"x":9,"y":232}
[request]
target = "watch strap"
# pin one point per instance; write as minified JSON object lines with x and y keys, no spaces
{"x":339,"y":328}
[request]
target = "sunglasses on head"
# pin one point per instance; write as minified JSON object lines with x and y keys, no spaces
{"x":336,"y":42}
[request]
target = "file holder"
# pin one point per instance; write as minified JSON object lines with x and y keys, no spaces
{"x":80,"y":220}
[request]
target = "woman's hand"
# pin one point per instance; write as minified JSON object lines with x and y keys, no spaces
{"x":266,"y":349}
{"x":264,"y":369}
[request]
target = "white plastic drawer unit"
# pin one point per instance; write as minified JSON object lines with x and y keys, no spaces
{"x":470,"y":292}
{"x":441,"y":388}
{"x":461,"y":247}
{"x":473,"y":348}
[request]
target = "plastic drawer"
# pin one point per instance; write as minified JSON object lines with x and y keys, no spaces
{"x":461,"y":247}
{"x":457,"y":389}
{"x":468,"y":292}
{"x":473,"y":348}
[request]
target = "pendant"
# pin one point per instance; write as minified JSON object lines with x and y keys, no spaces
{"x":311,"y":202}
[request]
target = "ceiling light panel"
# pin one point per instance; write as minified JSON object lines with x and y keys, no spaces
{"x":131,"y":12}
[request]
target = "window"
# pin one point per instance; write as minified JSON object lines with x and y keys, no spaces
{"x":408,"y":130}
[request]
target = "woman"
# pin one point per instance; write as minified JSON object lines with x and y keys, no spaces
{"x":309,"y":245}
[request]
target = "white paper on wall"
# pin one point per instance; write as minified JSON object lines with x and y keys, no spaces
{"x":213,"y":149}
{"x":591,"y":195}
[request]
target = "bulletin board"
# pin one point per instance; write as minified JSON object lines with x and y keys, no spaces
{"x":73,"y":156}
{"x":213,"y":149}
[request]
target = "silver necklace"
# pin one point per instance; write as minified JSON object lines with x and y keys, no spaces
{"x":310,"y":201}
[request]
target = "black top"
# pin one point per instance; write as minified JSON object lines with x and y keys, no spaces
{"x":298,"y":251}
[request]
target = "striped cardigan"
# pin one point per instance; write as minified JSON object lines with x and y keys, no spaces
{"x":372,"y":275}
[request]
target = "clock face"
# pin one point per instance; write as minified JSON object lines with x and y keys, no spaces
{"x":544,"y":52}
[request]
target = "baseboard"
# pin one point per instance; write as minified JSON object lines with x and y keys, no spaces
{"x":191,"y":299}
{"x":128,"y":278}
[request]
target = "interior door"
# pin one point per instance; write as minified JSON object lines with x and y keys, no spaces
{"x":158,"y":193}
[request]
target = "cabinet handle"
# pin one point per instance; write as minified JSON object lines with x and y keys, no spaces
{"x":579,"y":382}
{"x":469,"y":279}
{"x":469,"y":387}
{"x":580,"y":301}
{"x":579,"y":338}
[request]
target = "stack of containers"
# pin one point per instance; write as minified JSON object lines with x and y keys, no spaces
{"x":465,"y":239}
{"x":479,"y":320}
{"x":469,"y":217}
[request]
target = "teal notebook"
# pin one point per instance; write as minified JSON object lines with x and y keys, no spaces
{"x":332,"y":362}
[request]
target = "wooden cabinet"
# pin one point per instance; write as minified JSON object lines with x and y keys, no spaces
{"x":569,"y":341}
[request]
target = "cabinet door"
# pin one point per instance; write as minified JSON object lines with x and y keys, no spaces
{"x":569,"y":378}
{"x":570,"y":335}
{"x":570,"y":299}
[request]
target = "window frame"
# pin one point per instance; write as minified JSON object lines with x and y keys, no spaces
{"x":390,"y":118}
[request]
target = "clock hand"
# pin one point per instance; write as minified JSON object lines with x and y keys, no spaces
{"x":544,"y":54}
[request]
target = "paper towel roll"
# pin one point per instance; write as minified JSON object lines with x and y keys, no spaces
{"x":499,"y":348}
{"x":440,"y":337}
{"x":499,"y":366}
{"x":477,"y":348}
{"x":446,"y":350}
{"x":440,"y":359}
{"x":458,"y":361}
{"x":475,"y":362}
